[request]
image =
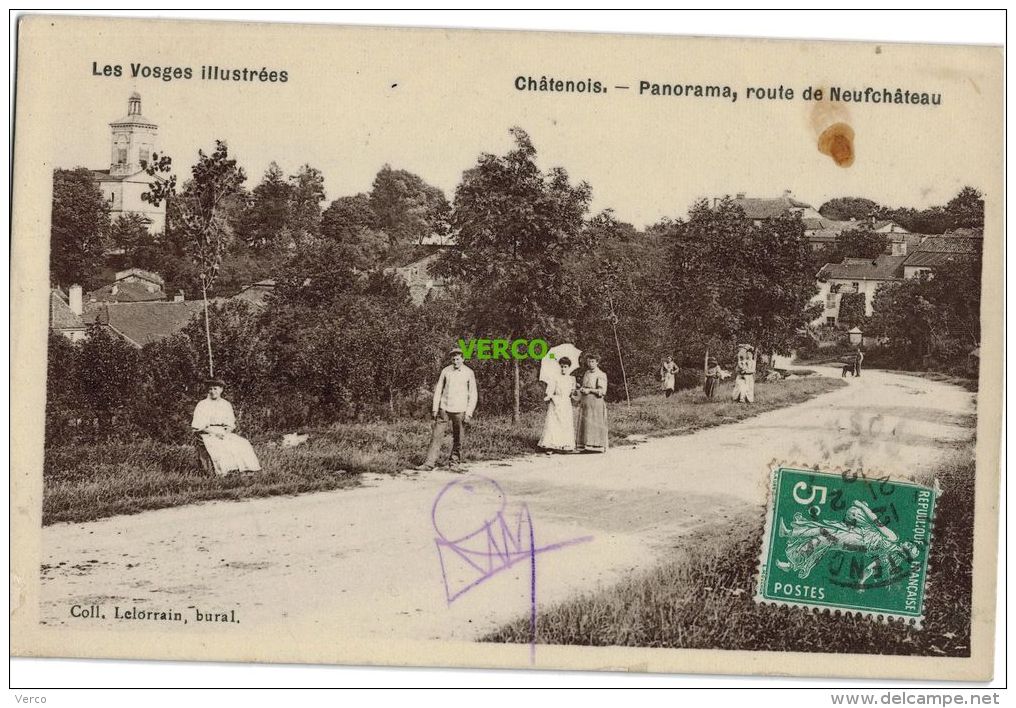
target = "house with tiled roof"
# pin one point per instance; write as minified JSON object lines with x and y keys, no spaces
{"x":65,"y":311}
{"x":819,"y":230}
{"x":937,"y":252}
{"x":854,"y":275}
{"x":130,"y":285}
{"x":759,"y":209}
{"x":140,"y":323}
{"x":256,"y":293}
{"x":413,"y":267}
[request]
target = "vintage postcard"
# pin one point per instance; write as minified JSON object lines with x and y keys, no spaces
{"x":429,"y":347}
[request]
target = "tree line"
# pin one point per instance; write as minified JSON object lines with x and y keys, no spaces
{"x":964,"y":211}
{"x":340,"y":339}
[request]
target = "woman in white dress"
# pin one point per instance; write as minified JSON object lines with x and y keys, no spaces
{"x":744,"y":381}
{"x":559,"y":427}
{"x":214,"y":422}
{"x":668,"y":376}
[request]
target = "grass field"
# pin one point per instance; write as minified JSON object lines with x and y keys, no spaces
{"x":85,"y":482}
{"x":702,"y":597}
{"x":966,"y":383}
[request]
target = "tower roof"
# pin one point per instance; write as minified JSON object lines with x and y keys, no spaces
{"x":134,"y":116}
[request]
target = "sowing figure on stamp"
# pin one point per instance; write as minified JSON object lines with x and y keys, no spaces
{"x":860,"y":531}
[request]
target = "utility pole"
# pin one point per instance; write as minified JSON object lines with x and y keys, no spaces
{"x":613,"y":324}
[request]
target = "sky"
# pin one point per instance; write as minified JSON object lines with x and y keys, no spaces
{"x":431,"y":101}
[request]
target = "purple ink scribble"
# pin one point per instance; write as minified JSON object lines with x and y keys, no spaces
{"x":477,"y":538}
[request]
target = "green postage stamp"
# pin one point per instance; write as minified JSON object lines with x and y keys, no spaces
{"x":847,"y":541}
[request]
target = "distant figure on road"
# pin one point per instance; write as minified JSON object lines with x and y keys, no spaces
{"x":712,"y":378}
{"x":559,"y":427}
{"x":592,"y":435}
{"x":744,"y":381}
{"x":858,"y":358}
{"x":454,"y":402}
{"x":214,"y":423}
{"x":668,"y":378}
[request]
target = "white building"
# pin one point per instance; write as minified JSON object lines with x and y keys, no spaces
{"x":854,"y":275}
{"x":133,"y":140}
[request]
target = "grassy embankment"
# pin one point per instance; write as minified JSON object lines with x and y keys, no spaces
{"x":85,"y":482}
{"x":703,"y":597}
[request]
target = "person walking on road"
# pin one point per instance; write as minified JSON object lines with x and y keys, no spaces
{"x":668,"y":376}
{"x":454,"y":401}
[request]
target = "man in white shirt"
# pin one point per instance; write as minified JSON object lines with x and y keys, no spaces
{"x":454,"y":403}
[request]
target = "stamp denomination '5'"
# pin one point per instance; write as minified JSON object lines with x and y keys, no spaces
{"x":847,"y":542}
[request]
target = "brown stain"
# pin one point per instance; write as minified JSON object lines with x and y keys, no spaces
{"x":831,"y":123}
{"x":837,"y":141}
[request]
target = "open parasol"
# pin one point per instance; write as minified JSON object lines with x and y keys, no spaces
{"x":550,"y":365}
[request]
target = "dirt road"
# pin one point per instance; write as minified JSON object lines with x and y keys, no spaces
{"x":364,"y":561}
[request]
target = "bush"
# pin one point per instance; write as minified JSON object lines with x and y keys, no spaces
{"x":852,"y":309}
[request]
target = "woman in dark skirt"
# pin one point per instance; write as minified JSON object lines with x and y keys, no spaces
{"x":592,"y":435}
{"x":712,"y":378}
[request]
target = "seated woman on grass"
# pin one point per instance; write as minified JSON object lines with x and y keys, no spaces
{"x":214,"y":423}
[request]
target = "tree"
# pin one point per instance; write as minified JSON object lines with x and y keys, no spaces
{"x":307,"y":193}
{"x":847,"y":208}
{"x":166,"y":391}
{"x":351,"y":222}
{"x":733,"y":281}
{"x":613,"y":298}
{"x":345,"y":345}
{"x":79,"y":222}
{"x":63,"y":388}
{"x":966,"y":209}
{"x":346,"y":217}
{"x":407,"y":209}
{"x":243,"y":355}
{"x":517,"y":226}
{"x":108,"y":377}
{"x":852,"y":307}
{"x":931,"y":320}
{"x":861,"y":243}
{"x":201,"y":212}
{"x":130,"y":233}
{"x":265,"y":224}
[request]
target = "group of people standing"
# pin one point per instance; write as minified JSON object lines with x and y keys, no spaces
{"x":454,"y":402}
{"x":559,"y":430}
{"x":744,"y":375}
{"x":455,"y":398}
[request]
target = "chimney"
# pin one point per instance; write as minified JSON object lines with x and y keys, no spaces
{"x":74,"y":299}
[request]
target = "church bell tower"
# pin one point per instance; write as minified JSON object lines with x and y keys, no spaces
{"x":133,"y":140}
